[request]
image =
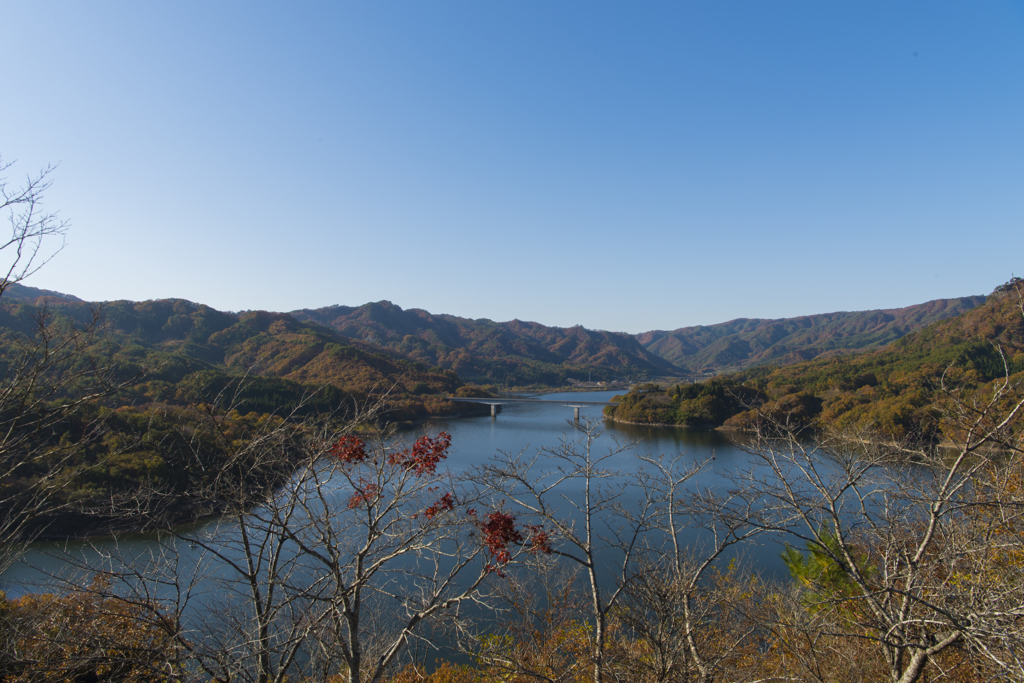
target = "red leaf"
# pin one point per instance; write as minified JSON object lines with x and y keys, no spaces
{"x":443,"y":504}
{"x":424,"y":455}
{"x":498,"y":533}
{"x":349,"y":449}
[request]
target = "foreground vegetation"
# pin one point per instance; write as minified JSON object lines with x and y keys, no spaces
{"x":366,"y":559}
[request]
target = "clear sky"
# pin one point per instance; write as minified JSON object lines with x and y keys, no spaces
{"x":624,"y":166}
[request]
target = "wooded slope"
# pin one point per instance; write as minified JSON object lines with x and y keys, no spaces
{"x":484,"y":351}
{"x":893,"y":390}
{"x":747,"y":342}
{"x":186,"y":346}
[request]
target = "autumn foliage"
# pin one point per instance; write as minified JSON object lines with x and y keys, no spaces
{"x":421,"y":458}
{"x":499,"y":533}
{"x":85,"y":636}
{"x":444,"y":504}
{"x":424,"y":455}
{"x":349,"y":449}
{"x":896,"y":391}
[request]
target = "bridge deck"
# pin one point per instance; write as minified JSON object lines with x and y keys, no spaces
{"x":499,"y":401}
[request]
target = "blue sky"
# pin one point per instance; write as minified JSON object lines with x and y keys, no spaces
{"x":624,"y":166}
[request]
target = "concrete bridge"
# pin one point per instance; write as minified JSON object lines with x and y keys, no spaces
{"x":495,"y":402}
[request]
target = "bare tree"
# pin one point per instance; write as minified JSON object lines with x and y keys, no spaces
{"x":905,"y":547}
{"x":82,"y":635}
{"x":331,"y":553}
{"x":572,"y":491}
{"x":398,"y":544}
{"x":49,"y":373}
{"x":33,"y":229}
{"x":680,"y":605}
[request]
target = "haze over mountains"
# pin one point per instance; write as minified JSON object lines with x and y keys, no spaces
{"x":518,"y":353}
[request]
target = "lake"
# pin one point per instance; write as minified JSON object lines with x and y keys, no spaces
{"x":519,"y":427}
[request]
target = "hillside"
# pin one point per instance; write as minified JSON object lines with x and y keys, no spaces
{"x":524,"y":353}
{"x":18,"y":292}
{"x":514,"y":353}
{"x":511,"y":353}
{"x":195,"y":359}
{"x":202,"y":386}
{"x":744,"y":342}
{"x":893,"y":390}
{"x":182,"y":343}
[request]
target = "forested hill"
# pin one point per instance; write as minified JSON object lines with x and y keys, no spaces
{"x":892,"y":390}
{"x":745,"y":342}
{"x":514,"y":353}
{"x":511,"y":353}
{"x":199,"y":386}
{"x":18,"y":292}
{"x":522,"y":353}
{"x":187,"y":345}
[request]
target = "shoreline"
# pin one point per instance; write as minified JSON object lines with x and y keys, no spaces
{"x":675,"y":426}
{"x":113,"y":527}
{"x":562,"y":390}
{"x":945,"y":444}
{"x":109,"y":527}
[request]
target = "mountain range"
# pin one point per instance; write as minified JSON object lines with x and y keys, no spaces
{"x":897,"y":389}
{"x":524,"y":353}
{"x":746,"y":342}
{"x":514,"y":353}
{"x":189,"y":352}
{"x":181,"y":361}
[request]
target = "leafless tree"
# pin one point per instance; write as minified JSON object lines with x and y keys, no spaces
{"x":538,"y":624}
{"x":914,"y":549}
{"x":84,"y":634}
{"x":390,"y":540}
{"x":680,"y":603}
{"x":49,"y":373}
{"x":331,"y":553}
{"x":36,"y":235}
{"x":573,"y":493}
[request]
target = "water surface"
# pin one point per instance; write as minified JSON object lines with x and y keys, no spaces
{"x":525,"y":428}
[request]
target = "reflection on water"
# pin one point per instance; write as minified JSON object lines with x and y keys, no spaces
{"x":518,"y":428}
{"x":531,"y":426}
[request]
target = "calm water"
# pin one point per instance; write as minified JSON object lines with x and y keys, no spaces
{"x":520,"y":427}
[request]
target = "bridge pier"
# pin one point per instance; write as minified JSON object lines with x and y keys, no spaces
{"x":495,"y":402}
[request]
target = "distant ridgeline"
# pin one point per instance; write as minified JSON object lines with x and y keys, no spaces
{"x":19,"y":292}
{"x":512,"y":353}
{"x":187,"y":347}
{"x":524,"y":353}
{"x":892,"y":390}
{"x":744,"y":342}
